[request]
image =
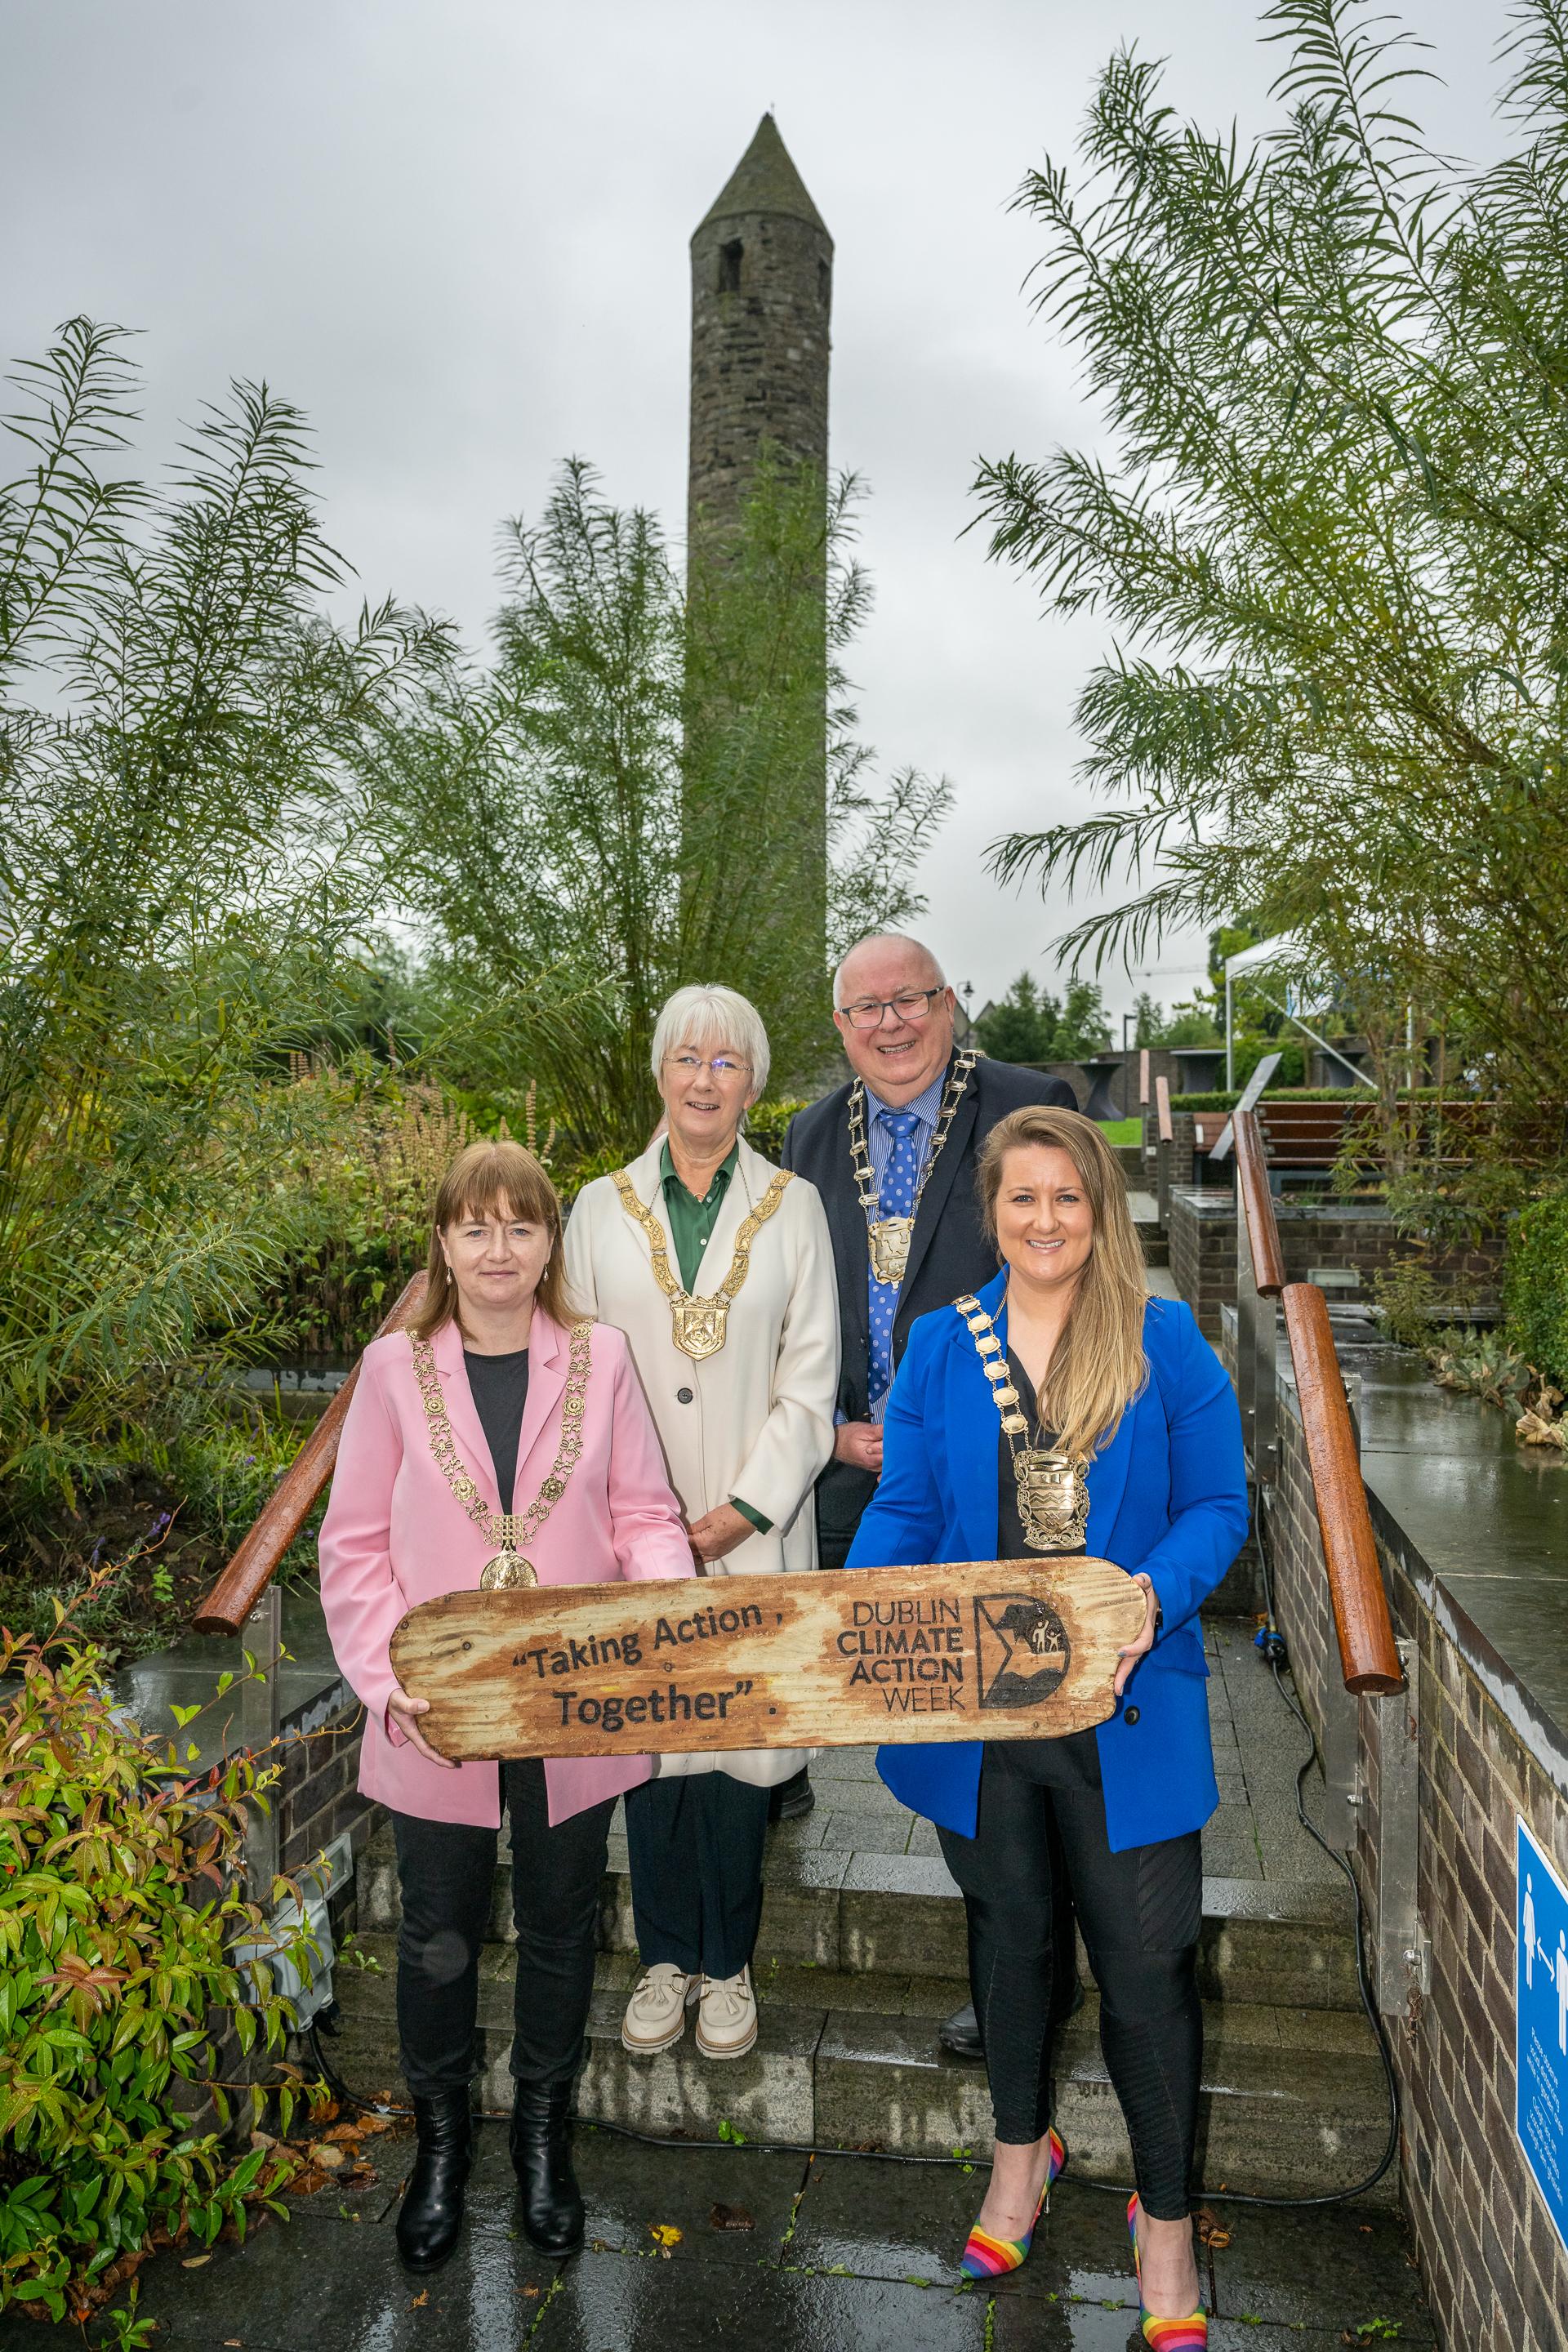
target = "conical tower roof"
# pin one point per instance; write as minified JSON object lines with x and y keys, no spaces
{"x":765,"y":180}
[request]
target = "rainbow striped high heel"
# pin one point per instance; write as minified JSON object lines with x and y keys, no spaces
{"x":1165,"y":2335}
{"x":986,"y":2257}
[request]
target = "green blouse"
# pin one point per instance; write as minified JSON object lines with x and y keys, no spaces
{"x":691,"y":1223}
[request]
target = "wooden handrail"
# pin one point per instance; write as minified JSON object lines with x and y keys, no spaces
{"x":1162,"y":1109}
{"x":1368,"y":1654}
{"x":1258,"y":1206}
{"x":289,"y":1505}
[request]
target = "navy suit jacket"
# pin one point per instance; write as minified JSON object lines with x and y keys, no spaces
{"x":1167,"y":1495}
{"x":949,"y":1251}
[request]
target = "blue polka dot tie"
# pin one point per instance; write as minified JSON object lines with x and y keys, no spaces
{"x":895,"y":1197}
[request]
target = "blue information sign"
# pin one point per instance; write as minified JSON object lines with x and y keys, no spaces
{"x":1540,"y":2056}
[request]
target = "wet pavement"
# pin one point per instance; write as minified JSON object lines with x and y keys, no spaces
{"x":787,"y":2253}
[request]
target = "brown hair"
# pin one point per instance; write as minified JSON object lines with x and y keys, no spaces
{"x":1098,"y":1365}
{"x":480,"y":1180}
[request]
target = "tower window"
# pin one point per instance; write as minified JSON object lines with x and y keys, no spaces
{"x":729,"y":267}
{"x":823,"y":283}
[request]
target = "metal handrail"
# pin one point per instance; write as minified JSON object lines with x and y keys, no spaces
{"x":255,"y":1563}
{"x":1369,"y":1656}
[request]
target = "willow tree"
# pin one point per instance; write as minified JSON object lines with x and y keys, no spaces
{"x":601,"y":811}
{"x":1331,"y":533}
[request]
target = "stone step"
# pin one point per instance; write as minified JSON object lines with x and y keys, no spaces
{"x":1292,"y":2097}
{"x":1285,"y":1942}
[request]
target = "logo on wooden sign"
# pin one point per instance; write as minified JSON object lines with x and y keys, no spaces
{"x":1019,"y":1649}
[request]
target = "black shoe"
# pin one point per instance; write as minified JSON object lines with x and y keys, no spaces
{"x":430,"y":2219}
{"x":792,"y":1798}
{"x":541,"y":2158}
{"x":960,"y":2034}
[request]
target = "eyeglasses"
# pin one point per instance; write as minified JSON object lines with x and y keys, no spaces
{"x":722,"y":1066}
{"x":910,"y":1004}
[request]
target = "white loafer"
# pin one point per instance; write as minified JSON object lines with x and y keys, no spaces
{"x":726,"y":2016}
{"x":656,"y":2013}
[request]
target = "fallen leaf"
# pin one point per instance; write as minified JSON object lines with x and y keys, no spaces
{"x":194,"y":2262}
{"x":343,"y":2132}
{"x":730,"y":2217}
{"x":376,"y":2123}
{"x":420,"y":2300}
{"x":323,"y":2153}
{"x":531,"y":2292}
{"x":665,"y":2236}
{"x":1210,"y":2232}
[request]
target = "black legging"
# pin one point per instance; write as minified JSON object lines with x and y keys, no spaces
{"x":1140,"y":1911}
{"x":447,"y":1870}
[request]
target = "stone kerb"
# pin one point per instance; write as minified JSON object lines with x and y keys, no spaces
{"x":1487,"y":1751}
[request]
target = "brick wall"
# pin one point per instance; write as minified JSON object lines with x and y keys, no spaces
{"x":1495,"y":2272}
{"x":1347,"y":1236}
{"x":320,"y":1768}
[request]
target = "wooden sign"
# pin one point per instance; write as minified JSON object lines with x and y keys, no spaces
{"x":1011,"y":1649}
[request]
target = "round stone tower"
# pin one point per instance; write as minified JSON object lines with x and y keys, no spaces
{"x":761,"y":290}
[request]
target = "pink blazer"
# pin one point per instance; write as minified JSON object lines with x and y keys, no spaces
{"x":395,"y":1535}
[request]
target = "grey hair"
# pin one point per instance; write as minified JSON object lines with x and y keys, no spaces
{"x":706,"y":1017}
{"x":874,"y":938}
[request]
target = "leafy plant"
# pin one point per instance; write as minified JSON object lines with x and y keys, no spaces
{"x":119,"y":1904}
{"x":1535,"y":1284}
{"x":188,"y":865}
{"x":1329,"y":532}
{"x":639,"y":791}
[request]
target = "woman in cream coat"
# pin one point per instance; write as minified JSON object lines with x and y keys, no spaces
{"x":718,"y":1269}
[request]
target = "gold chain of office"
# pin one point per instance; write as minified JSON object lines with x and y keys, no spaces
{"x":509,"y":1531}
{"x":1053,"y":1492}
{"x":889,"y":1237}
{"x":700,"y":1326}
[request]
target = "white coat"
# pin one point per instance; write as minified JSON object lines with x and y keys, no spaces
{"x":756,"y":1419}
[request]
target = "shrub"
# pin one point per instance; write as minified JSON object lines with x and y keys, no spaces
{"x":1535,"y":1285}
{"x":119,"y":1908}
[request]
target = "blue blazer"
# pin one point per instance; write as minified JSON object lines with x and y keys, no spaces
{"x":1167,"y":1495}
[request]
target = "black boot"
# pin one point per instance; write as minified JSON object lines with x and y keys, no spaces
{"x":541,"y":2158}
{"x":430,"y":2219}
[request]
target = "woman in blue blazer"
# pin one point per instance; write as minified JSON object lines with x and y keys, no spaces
{"x":1061,"y":1412}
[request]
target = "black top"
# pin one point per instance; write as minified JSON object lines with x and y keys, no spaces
{"x":498,"y":1385}
{"x":1073,"y":1762}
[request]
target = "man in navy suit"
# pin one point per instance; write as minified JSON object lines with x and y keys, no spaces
{"x":897,"y":1143}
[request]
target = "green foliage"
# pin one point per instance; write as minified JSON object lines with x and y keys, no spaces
{"x":617,"y":804}
{"x":1329,"y":534}
{"x":1031,"y":1025}
{"x":118,"y":1910}
{"x":1535,"y":1284}
{"x":187,"y":865}
{"x":1249,"y":1051}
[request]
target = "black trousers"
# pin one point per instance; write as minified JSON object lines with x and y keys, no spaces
{"x":695,"y":1847}
{"x":447,"y":1872}
{"x":1140,"y":1912}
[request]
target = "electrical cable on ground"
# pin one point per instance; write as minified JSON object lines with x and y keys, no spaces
{"x":1271,"y":1648}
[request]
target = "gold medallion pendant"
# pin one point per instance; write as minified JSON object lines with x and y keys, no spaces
{"x":1053,"y":1491}
{"x":889,"y":1239}
{"x":507,"y":1570}
{"x":700,"y":1327}
{"x":697,"y":1326}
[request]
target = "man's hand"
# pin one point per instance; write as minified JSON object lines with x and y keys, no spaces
{"x":718,"y":1531}
{"x":1145,"y":1642}
{"x":859,"y":1442}
{"x":405,"y":1712}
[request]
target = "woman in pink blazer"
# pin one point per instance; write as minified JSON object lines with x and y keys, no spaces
{"x":463,"y":1417}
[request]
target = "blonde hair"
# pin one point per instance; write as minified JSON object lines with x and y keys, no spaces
{"x":482,"y":1179}
{"x":1098,"y":1365}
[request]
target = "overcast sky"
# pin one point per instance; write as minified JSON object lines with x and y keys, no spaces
{"x":455,"y":232}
